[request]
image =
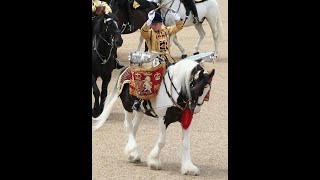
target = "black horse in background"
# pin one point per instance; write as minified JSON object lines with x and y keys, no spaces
{"x":139,"y":15}
{"x":106,"y":37}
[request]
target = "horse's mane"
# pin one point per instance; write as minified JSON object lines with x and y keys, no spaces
{"x":183,"y":71}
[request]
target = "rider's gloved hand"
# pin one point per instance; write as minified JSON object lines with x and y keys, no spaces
{"x":151,"y":15}
{"x":172,"y":14}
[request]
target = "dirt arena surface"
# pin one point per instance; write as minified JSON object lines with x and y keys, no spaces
{"x":209,"y":128}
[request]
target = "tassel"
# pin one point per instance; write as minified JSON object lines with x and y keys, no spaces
{"x":186,"y":118}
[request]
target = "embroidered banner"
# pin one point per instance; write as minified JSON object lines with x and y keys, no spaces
{"x":145,"y":82}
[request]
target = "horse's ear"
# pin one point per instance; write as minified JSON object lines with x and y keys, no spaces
{"x":212,"y":73}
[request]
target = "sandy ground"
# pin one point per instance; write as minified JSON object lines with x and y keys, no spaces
{"x":209,"y":130}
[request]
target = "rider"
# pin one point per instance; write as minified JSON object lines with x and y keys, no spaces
{"x":128,"y":12}
{"x":190,"y":4}
{"x":98,"y":7}
{"x":157,"y":37}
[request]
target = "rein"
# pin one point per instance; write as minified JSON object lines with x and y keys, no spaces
{"x":175,"y":103}
{"x":95,"y":44}
{"x":188,"y":103}
{"x":161,"y":6}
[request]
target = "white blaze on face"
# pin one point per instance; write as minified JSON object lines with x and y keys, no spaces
{"x":201,"y":98}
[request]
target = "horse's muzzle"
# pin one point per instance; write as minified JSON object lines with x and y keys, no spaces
{"x":119,"y":43}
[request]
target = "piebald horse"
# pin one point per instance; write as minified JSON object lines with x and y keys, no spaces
{"x":183,"y":88}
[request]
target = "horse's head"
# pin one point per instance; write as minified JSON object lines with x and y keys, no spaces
{"x":107,"y":28}
{"x":199,"y":87}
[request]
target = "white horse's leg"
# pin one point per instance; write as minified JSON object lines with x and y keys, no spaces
{"x":215,"y":36}
{"x":183,"y":51}
{"x":140,"y":43}
{"x":136,"y":122}
{"x":187,"y":167}
{"x":153,"y":158}
{"x":132,"y":151}
{"x":216,"y":26}
{"x":201,"y":36}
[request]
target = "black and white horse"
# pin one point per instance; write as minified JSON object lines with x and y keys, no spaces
{"x":183,"y":89}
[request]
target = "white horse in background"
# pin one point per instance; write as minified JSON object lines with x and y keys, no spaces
{"x":208,"y":10}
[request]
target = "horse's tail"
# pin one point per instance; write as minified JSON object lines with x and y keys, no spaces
{"x":220,"y":27}
{"x":108,"y":105}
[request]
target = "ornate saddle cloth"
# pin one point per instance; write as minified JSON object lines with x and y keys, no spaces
{"x":147,"y":70}
{"x":123,"y":79}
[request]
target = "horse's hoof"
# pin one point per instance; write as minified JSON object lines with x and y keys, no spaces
{"x":95,"y":113}
{"x":184,"y":56}
{"x":195,"y":53}
{"x":190,"y":169}
{"x":154,"y":164}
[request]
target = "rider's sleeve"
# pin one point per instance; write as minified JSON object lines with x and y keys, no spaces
{"x":145,"y":31}
{"x":176,"y":28}
{"x":107,"y":7}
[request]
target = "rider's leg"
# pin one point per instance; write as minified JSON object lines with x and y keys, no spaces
{"x":194,"y":11}
{"x":129,"y":14}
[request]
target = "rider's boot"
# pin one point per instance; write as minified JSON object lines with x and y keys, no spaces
{"x":194,"y":11}
{"x":136,"y":105}
{"x":117,"y":64}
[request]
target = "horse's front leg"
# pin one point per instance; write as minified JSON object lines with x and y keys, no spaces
{"x":96,"y":94}
{"x":104,"y":90}
{"x":187,"y":167}
{"x":132,"y":151}
{"x":154,"y":156}
{"x":201,"y":33}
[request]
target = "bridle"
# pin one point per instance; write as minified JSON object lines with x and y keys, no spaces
{"x":188,"y":103}
{"x":110,"y":43}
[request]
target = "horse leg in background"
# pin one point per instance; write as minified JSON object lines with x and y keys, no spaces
{"x":201,"y":33}
{"x":187,"y":166}
{"x":215,"y":35}
{"x":216,"y":26}
{"x":140,"y":43}
{"x":132,"y":151}
{"x":104,"y":89}
{"x":153,"y":158}
{"x":183,"y":51}
{"x":141,"y":40}
{"x":96,"y":93}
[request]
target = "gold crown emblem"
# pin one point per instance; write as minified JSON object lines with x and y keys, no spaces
{"x":157,"y":76}
{"x":137,"y":76}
